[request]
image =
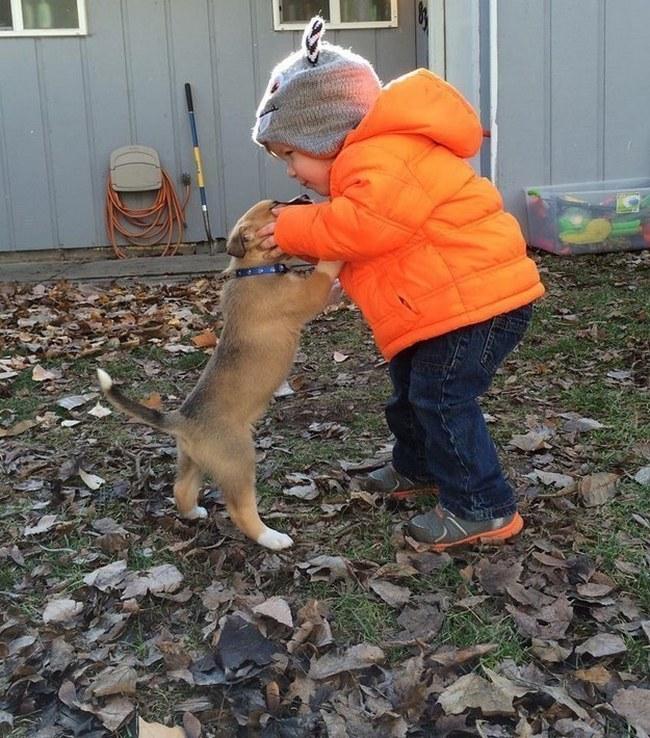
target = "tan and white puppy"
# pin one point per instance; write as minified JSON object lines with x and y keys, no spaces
{"x":263,"y":315}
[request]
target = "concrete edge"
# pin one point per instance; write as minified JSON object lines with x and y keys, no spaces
{"x":147,"y":266}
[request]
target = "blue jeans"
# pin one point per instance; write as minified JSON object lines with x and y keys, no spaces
{"x":437,"y":421}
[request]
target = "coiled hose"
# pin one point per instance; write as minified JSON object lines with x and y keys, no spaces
{"x":155,"y":224}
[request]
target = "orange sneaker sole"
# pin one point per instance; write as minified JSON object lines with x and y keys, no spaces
{"x":408,"y":494}
{"x":514,"y":527}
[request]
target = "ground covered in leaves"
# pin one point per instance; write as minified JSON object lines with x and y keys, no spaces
{"x":113,"y":608}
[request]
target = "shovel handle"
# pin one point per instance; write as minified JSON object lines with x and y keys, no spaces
{"x":188,"y":97}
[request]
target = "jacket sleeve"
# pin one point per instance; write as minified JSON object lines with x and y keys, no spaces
{"x":376,"y":208}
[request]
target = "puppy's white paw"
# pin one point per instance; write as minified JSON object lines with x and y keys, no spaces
{"x":198,"y":513}
{"x":274,"y":540}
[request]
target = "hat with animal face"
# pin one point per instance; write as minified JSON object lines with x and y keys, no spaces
{"x":316,"y":96}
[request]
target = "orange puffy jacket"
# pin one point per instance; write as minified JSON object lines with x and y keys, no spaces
{"x":427,"y":245}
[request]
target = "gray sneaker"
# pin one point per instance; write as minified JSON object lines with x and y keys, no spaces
{"x":388,"y":481}
{"x":442,"y":529}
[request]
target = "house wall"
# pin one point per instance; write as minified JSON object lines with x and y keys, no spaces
{"x":66,"y":103}
{"x":573,"y":102}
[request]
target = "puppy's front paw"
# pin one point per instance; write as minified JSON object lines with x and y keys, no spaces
{"x":274,"y":540}
{"x":331,"y":268}
{"x":196,"y":513}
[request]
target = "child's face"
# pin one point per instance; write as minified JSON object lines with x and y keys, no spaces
{"x":312,"y":173}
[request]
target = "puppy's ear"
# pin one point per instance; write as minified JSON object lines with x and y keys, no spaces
{"x":300,"y":200}
{"x":237,"y":244}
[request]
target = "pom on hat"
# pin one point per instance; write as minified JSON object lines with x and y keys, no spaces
{"x":316,"y":96}
{"x":311,"y":38}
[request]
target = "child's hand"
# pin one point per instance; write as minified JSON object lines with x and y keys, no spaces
{"x":267,"y":235}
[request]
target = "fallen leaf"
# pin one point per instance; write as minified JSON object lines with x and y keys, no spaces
{"x":561,"y":481}
{"x":537,"y":684}
{"x":153,"y":401}
{"x":284,"y":390}
{"x":92,"y":481}
{"x":178,"y":348}
{"x":240,"y":642}
{"x":550,"y":651}
{"x":548,"y":623}
{"x":593,"y":590}
{"x":272,"y":693}
{"x":43,"y":375}
{"x":620,"y":374}
{"x":115,"y":712}
{"x":313,"y":627}
{"x":598,"y":488}
{"x":423,"y":619}
{"x":20,"y":427}
{"x":100,"y":411}
{"x":72,"y":401}
{"x":354,"y":659}
{"x":645,"y":627}
{"x":59,"y":611}
{"x":634,"y":705}
{"x":163,"y":578}
{"x":642,"y":477}
{"x":472,"y":691}
{"x":326,"y":568}
{"x":390,"y":593}
{"x":107,"y":577}
{"x":206,"y":339}
{"x":456,"y":656}
{"x":597,"y":675}
{"x":114,"y":680}
{"x":496,"y":576}
{"x":602,"y":644}
{"x":277,"y":609}
{"x":575,"y":422}
{"x":306,"y":491}
{"x":43,"y":525}
{"x":157,"y":730}
{"x":192,"y":725}
{"x":533,"y":440}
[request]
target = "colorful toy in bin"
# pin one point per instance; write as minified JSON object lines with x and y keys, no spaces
{"x":590,"y":218}
{"x":622,"y":228}
{"x":594,"y":231}
{"x":576,"y":226}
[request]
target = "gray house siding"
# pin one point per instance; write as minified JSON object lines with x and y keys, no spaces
{"x":66,"y":103}
{"x":573,"y":93}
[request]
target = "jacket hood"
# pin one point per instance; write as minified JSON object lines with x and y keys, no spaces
{"x":421,"y":103}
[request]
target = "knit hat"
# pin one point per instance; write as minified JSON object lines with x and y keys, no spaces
{"x":316,"y":96}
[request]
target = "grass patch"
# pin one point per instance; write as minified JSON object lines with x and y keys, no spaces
{"x":485,"y":624}
{"x":623,"y":539}
{"x":359,"y":618}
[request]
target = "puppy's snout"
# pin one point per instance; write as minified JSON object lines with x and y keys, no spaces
{"x":243,"y":240}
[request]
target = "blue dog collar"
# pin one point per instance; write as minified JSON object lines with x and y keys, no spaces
{"x":270,"y":269}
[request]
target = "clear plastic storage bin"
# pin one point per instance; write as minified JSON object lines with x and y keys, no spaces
{"x":590,"y":217}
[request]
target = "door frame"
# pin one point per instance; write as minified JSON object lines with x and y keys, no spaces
{"x":462,"y":50}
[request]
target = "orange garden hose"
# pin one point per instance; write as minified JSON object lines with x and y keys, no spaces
{"x":155,"y":224}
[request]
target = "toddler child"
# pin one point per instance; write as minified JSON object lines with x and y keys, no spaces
{"x":437,"y":267}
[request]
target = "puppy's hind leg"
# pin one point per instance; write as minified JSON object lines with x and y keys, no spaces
{"x":187,"y":486}
{"x":235,"y":473}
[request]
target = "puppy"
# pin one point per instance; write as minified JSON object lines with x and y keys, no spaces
{"x":263,"y":315}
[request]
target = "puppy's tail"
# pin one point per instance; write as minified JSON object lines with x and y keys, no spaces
{"x":166,"y":422}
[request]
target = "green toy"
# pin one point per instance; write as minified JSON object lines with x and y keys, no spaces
{"x":596,"y":231}
{"x":573,"y":220}
{"x":626,"y":228}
